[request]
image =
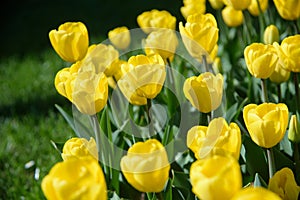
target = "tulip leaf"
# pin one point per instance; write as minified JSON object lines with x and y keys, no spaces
{"x":168,"y":190}
{"x":255,"y":158}
{"x":282,"y":160}
{"x":181,"y":180}
{"x":57,"y":146}
{"x":259,"y":181}
{"x":76,"y":123}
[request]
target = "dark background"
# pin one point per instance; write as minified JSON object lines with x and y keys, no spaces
{"x":25,"y":24}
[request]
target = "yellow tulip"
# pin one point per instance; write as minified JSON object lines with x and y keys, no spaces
{"x":146,"y":166}
{"x":271,"y":34}
{"x":215,"y":138}
{"x":87,"y":90}
{"x":294,"y":129}
{"x":192,"y":6}
{"x":260,"y":59}
{"x":216,"y":177}
{"x":254,"y":9}
{"x":266,"y":123}
{"x":150,"y":20}
{"x":163,"y":42}
{"x":90,"y":92}
{"x":78,"y":148}
{"x":70,"y":41}
{"x":143,"y":78}
{"x":63,"y":80}
{"x":280,"y":74}
{"x":232,"y":17}
{"x":237,"y":4}
{"x":76,"y":179}
{"x":216,"y":4}
{"x":120,"y":37}
{"x":254,"y":193}
{"x":289,"y":10}
{"x":289,"y":53}
{"x":102,"y":58}
{"x":283,"y":184}
{"x":200,"y":35}
{"x":205,"y":91}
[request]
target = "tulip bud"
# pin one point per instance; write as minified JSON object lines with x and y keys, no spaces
{"x":217,"y":138}
{"x":70,"y":41}
{"x":232,"y":17}
{"x":101,"y":58}
{"x":163,"y":42}
{"x":260,"y":59}
{"x":283,"y":184}
{"x":254,"y":9}
{"x":237,"y":4}
{"x":266,"y":123}
{"x":294,"y":129}
{"x":289,"y":10}
{"x":150,"y":20}
{"x":289,"y":52}
{"x":254,"y":193}
{"x":217,"y":177}
{"x":216,"y":4}
{"x":75,"y":179}
{"x":271,"y":34}
{"x":120,"y":37}
{"x":200,"y":35}
{"x":146,"y":166}
{"x":192,"y":7}
{"x":280,"y":74}
{"x":79,"y":148}
{"x":205,"y":91}
{"x":143,"y":78}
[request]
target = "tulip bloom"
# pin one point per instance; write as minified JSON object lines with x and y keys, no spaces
{"x":217,"y":138}
{"x":78,"y":148}
{"x":101,"y":58}
{"x":294,"y":129}
{"x":87,"y":90}
{"x":254,"y":9}
{"x":150,"y":20}
{"x":266,"y":123}
{"x":254,"y":193}
{"x":232,"y":17}
{"x":75,"y":179}
{"x":143,"y":78}
{"x":120,"y":37}
{"x":237,"y":4}
{"x":200,"y":35}
{"x":216,"y":4}
{"x":70,"y":41}
{"x":205,"y":91}
{"x":289,"y":53}
{"x":260,"y":59}
{"x":271,"y":34}
{"x":280,"y":74}
{"x":163,"y":42}
{"x":146,"y":166}
{"x":217,"y":177}
{"x":289,"y":10}
{"x":283,"y":183}
{"x":192,"y":6}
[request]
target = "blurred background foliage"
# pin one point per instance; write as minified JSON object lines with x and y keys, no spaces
{"x":25,"y":24}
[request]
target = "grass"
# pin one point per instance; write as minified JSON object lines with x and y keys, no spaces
{"x":29,"y":121}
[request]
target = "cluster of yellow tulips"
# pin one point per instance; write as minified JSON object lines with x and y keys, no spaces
{"x":240,"y":136}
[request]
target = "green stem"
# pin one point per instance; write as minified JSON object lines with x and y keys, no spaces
{"x":150,"y":124}
{"x":271,"y":162}
{"x":264,"y":90}
{"x":279,"y":93}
